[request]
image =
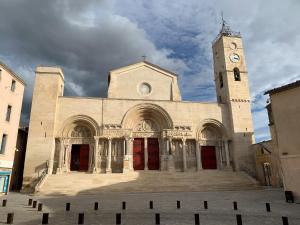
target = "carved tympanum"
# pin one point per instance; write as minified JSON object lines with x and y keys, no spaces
{"x":81,"y":131}
{"x":146,"y":126}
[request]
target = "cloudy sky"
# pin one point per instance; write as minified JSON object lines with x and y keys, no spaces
{"x":89,"y":38}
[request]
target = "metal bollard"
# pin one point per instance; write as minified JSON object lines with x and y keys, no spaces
{"x":151,"y":204}
{"x":68,"y":206}
{"x":81,"y":218}
{"x":157,"y":219}
{"x":285,"y":220}
{"x":239,"y":219}
{"x":197,"y":219}
{"x":118,"y":219}
{"x":268,"y":208}
{"x":4,"y":202}
{"x":45,"y":218}
{"x":96,"y":206}
{"x":34,"y":204}
{"x":40,"y":207}
{"x":10,"y":218}
{"x":205,"y":205}
{"x":123,"y":205}
{"x":178,"y":204}
{"x":235,"y":206}
{"x":30,"y":201}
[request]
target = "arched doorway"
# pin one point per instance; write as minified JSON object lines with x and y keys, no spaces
{"x":147,"y":122}
{"x":211,"y":137}
{"x":77,"y":144}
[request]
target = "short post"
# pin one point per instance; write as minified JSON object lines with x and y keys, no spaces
{"x":289,"y":197}
{"x":197,"y":219}
{"x":123,"y":205}
{"x":96,"y":206}
{"x":30,"y":201}
{"x":157,"y":219}
{"x":268,"y":208}
{"x":285,"y":220}
{"x":4,"y":202}
{"x":34,"y":204}
{"x":239,"y":219}
{"x":10,"y":218}
{"x":68,"y":206}
{"x":178,"y":204}
{"x":45,"y":218}
{"x":235,"y":206}
{"x":40,"y":207}
{"x":151,"y":204}
{"x":205,"y":205}
{"x":81,"y":218}
{"x":118,"y":219}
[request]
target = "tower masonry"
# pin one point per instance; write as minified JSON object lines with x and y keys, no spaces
{"x":232,"y":88}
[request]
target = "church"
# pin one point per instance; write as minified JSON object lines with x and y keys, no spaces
{"x":143,"y":124}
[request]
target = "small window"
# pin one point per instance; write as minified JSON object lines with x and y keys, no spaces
{"x":13,"y":85}
{"x":8,"y":113}
{"x":221,"y":80}
{"x":3,"y":143}
{"x":237,"y":75}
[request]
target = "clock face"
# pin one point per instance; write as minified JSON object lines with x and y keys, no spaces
{"x":234,"y":58}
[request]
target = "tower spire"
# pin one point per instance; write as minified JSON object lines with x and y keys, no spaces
{"x":226,"y":30}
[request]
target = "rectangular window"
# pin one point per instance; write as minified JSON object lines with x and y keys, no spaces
{"x":8,"y":113}
{"x":13,"y":85}
{"x":3,"y":143}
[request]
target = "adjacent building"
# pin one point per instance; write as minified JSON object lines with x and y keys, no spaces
{"x":284,"y":123}
{"x":11,"y":95}
{"x":143,"y":124}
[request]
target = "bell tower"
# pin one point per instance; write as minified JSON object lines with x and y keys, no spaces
{"x":231,"y":80}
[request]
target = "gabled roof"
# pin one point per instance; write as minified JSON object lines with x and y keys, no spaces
{"x":284,"y":87}
{"x":143,"y":63}
{"x":12,"y":73}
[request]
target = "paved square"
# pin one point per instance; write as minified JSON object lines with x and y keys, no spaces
{"x":251,"y":205}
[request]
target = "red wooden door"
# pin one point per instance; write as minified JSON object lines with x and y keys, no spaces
{"x":138,"y":154}
{"x":84,"y":157}
{"x":208,"y":156}
{"x":153,"y":154}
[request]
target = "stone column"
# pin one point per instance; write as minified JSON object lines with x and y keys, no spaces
{"x":60,"y":157}
{"x":127,"y":162}
{"x":227,"y":153}
{"x":95,"y":154}
{"x":171,"y":165}
{"x":146,"y":153}
{"x":198,"y":155}
{"x":108,"y":159}
{"x":184,"y":155}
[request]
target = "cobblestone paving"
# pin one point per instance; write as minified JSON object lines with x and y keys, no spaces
{"x":251,"y":205}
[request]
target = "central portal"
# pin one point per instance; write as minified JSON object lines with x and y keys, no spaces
{"x":138,"y":154}
{"x":140,"y":150}
{"x":80,"y":158}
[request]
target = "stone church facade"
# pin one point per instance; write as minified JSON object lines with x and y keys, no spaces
{"x":143,"y":124}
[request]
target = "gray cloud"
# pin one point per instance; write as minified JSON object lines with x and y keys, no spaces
{"x":85,"y":39}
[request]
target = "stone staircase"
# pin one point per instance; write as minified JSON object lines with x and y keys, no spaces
{"x":77,"y":183}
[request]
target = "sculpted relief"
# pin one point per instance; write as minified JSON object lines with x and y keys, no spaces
{"x":81,"y":131}
{"x":146,"y":126}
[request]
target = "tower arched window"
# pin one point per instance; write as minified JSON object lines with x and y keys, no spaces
{"x":237,"y":74}
{"x":221,"y":79}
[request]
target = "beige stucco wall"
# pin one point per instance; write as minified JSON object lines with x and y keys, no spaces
{"x":14,"y":99}
{"x":112,"y":111}
{"x":286,"y":132}
{"x":125,"y":82}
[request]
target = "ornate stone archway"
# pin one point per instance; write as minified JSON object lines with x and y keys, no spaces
{"x":76,"y":130}
{"x":212,"y":133}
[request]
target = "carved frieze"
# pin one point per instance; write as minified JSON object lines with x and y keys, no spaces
{"x":115,"y":133}
{"x":81,"y":131}
{"x":146,"y":126}
{"x":177,"y":133}
{"x":146,"y":134}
